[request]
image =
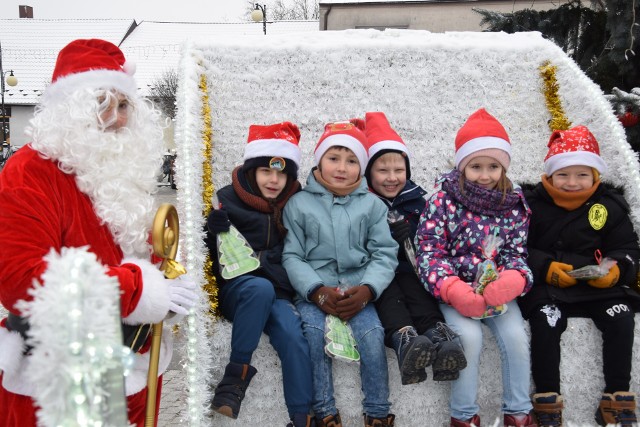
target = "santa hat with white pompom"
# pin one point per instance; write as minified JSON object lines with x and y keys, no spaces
{"x":90,"y":63}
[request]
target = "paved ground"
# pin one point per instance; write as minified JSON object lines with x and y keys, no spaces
{"x":173,"y":397}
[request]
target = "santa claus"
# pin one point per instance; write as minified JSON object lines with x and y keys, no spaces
{"x":85,"y":180}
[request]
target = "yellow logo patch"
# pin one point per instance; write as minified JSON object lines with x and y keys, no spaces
{"x":598,"y":216}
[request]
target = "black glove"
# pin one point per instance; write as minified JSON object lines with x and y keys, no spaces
{"x":218,"y":221}
{"x":400,"y":231}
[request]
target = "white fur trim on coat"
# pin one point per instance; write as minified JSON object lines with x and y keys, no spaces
{"x":153,"y":305}
{"x":15,"y":365}
{"x":11,"y":348}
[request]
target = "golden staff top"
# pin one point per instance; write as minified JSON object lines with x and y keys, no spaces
{"x":164,"y":235}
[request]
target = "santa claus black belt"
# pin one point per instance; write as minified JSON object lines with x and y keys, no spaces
{"x":133,"y":336}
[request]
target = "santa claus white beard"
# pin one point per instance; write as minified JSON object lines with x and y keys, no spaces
{"x":117,"y":170}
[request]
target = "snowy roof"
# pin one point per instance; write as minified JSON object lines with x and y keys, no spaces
{"x":155,"y":47}
{"x":30,"y":48}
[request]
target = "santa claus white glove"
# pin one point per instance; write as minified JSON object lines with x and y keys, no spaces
{"x":182,"y":294}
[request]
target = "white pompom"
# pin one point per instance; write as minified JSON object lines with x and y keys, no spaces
{"x":129,"y":67}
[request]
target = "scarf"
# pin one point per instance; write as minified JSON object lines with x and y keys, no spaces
{"x":476,"y":198}
{"x":569,"y":200}
{"x":336,"y":191}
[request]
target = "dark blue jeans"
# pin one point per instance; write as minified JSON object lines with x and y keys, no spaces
{"x":250,"y":303}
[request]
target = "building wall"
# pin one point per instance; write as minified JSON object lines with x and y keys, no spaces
{"x":434,"y":17}
{"x":20,"y":116}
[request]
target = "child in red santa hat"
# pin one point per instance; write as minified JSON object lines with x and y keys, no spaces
{"x":414,"y":325}
{"x":261,"y":300}
{"x":339,"y":238}
{"x":576,"y":220}
{"x":85,"y":180}
{"x":472,"y":202}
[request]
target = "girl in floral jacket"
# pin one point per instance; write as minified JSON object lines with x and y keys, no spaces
{"x":473,"y":204}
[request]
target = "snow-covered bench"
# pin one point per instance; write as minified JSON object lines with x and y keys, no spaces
{"x":427,"y":84}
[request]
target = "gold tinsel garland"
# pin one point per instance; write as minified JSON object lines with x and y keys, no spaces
{"x":559,"y":120}
{"x":210,"y":287}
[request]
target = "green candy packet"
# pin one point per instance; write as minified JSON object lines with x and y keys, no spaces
{"x":235,"y":255}
{"x":340,"y":343}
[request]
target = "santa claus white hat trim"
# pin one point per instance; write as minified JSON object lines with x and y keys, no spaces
{"x":271,"y":148}
{"x":482,"y":143}
{"x":343,"y":134}
{"x":90,"y":64}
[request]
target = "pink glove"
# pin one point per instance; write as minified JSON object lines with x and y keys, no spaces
{"x":505,"y":288}
{"x":461,"y":296}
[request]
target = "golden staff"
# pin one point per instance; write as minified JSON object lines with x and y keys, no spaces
{"x":164,"y":235}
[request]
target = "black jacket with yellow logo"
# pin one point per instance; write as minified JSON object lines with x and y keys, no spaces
{"x":601,"y":226}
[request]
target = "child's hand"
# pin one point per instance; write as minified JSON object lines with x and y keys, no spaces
{"x":218,"y":221}
{"x":400,"y":231}
{"x":557,"y":275}
{"x":326,"y":299}
{"x":505,"y":288}
{"x":606,"y":281}
{"x":355,"y":299}
{"x":461,"y":296}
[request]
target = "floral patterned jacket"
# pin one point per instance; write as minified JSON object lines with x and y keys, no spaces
{"x":454,"y":225}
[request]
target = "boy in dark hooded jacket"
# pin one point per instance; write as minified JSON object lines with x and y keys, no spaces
{"x":576,"y":221}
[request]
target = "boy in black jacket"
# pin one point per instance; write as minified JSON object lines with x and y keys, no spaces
{"x":576,"y":221}
{"x":261,"y":301}
{"x":414,"y":326}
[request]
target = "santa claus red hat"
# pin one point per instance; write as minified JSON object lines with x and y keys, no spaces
{"x":90,"y":63}
{"x":383,"y":139}
{"x":274,"y":146}
{"x":482,"y":135}
{"x":573,"y":147}
{"x":343,"y":134}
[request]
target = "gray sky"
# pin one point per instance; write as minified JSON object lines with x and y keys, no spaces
{"x":149,"y":10}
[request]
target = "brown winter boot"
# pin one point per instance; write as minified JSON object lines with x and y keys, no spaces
{"x":379,"y":422}
{"x":618,"y":408}
{"x":230,"y":390}
{"x":329,"y":421}
{"x":471,"y":422}
{"x":547,"y":408}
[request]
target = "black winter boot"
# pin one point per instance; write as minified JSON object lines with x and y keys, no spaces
{"x":230,"y":390}
{"x":415,"y":352}
{"x":450,"y":358}
{"x":329,"y":421}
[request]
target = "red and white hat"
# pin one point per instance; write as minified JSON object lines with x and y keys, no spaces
{"x":482,"y":135}
{"x":90,"y":63}
{"x":274,"y":146}
{"x":343,"y":134}
{"x":383,"y":139}
{"x":573,"y":147}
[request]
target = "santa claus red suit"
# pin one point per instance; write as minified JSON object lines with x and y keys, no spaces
{"x":85,"y":180}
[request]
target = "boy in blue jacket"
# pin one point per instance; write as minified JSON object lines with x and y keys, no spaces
{"x":414,"y":326}
{"x":339,"y":255}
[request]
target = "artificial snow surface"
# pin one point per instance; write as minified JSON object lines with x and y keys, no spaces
{"x":427,"y":84}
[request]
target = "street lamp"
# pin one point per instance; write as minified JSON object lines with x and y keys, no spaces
{"x":11,"y":80}
{"x":260,"y":14}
